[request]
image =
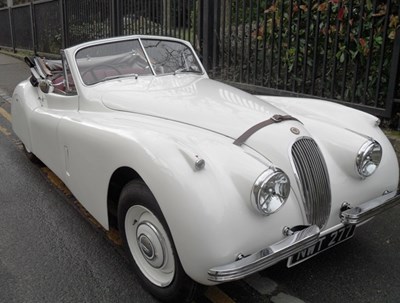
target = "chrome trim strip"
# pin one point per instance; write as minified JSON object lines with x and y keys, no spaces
{"x":147,"y":56}
{"x":266,"y":257}
{"x":369,"y":209}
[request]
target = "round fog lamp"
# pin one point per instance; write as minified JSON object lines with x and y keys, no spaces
{"x":368,"y":158}
{"x":270,"y":191}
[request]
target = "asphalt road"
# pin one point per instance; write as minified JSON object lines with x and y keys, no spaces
{"x":51,"y":252}
{"x":48,"y":251}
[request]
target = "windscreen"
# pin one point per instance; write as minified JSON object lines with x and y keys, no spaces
{"x":170,"y":57}
{"x":112,"y":60}
{"x":120,"y":59}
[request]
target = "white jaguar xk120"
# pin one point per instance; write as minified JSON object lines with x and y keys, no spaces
{"x":205,"y":183}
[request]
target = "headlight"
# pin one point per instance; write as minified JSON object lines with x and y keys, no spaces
{"x":270,"y":191}
{"x":368,"y":158}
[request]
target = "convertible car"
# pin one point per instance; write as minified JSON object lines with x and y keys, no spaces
{"x":205,"y":183}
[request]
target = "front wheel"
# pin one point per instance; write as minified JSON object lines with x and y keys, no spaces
{"x":148,"y":241}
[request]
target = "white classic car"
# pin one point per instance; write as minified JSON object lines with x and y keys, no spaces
{"x":205,"y":183}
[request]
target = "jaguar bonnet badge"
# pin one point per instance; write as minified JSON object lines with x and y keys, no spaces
{"x":295,"y":130}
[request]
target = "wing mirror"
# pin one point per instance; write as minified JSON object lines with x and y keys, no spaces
{"x":45,"y":86}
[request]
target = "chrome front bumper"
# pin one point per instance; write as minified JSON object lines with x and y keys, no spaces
{"x":264,"y":258}
{"x":297,"y":242}
{"x":369,"y":209}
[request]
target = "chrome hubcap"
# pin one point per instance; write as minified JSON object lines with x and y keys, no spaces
{"x":146,"y":247}
{"x":151,"y":244}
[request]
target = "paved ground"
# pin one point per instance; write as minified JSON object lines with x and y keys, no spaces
{"x":12,"y":72}
{"x":51,"y":253}
{"x":48,"y":252}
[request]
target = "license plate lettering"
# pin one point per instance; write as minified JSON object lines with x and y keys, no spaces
{"x":325,"y":242}
{"x":319,"y":244}
{"x":341,"y":232}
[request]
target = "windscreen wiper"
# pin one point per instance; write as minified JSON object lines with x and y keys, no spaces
{"x":118,"y":77}
{"x":186,"y":70}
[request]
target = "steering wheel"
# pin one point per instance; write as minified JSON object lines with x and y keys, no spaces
{"x":92,"y":71}
{"x":140,"y":61}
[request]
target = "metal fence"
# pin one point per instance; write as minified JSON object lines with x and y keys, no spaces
{"x":342,"y":50}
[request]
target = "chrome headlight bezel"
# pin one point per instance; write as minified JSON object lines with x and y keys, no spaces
{"x":270,"y":191}
{"x":368,"y":158}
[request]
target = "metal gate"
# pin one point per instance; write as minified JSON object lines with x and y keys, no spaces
{"x":343,"y":50}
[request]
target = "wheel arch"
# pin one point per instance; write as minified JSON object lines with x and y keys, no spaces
{"x":179,"y":188}
{"x":120,"y":177}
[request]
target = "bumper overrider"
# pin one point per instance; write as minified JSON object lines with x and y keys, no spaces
{"x":298,"y":241}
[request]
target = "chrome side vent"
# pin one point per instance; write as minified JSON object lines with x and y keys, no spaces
{"x":313,"y":179}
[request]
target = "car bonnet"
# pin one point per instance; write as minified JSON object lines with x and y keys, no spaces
{"x":191,"y":100}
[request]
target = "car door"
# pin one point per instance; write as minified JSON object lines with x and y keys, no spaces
{"x":56,"y":103}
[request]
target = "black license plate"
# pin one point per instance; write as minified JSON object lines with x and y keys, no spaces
{"x":325,"y":242}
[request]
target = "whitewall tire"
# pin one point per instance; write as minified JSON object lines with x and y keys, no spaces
{"x":149,"y":243}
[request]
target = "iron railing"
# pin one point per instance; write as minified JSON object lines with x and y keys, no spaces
{"x":343,"y":50}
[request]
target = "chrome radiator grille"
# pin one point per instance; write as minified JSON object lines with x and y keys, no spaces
{"x":313,"y":180}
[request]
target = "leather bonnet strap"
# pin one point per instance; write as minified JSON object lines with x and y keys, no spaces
{"x":274,"y":119}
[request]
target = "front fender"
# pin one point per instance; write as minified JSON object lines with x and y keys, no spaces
{"x":340,"y":132}
{"x":208,"y":210}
